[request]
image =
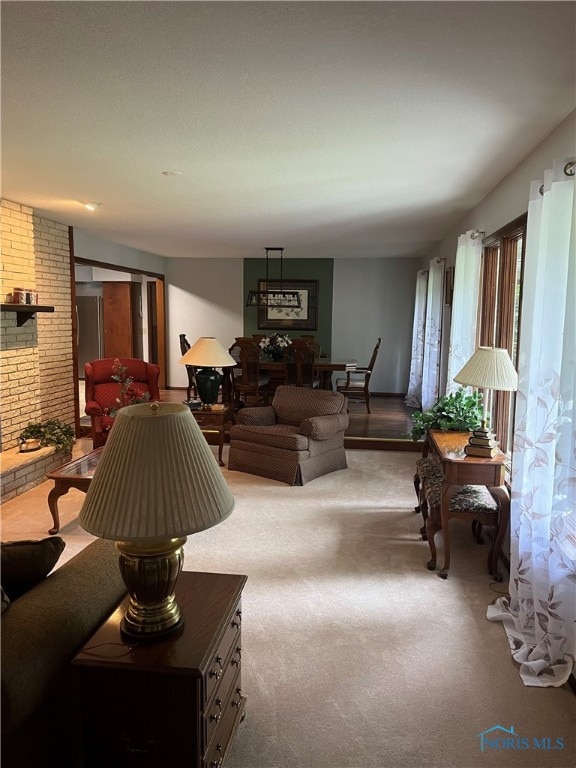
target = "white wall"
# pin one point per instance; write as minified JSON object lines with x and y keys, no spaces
{"x":509,"y":199}
{"x":375,"y":297}
{"x":94,"y":248}
{"x":205,"y":297}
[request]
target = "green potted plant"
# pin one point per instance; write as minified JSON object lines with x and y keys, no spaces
{"x":50,"y":432}
{"x":457,"y":412}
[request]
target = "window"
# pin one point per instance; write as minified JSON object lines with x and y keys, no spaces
{"x":500,"y":299}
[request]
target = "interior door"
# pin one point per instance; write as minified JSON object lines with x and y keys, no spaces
{"x":117,"y":319}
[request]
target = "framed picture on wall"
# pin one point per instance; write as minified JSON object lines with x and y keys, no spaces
{"x":303,"y":318}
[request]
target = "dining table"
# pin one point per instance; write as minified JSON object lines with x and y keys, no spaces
{"x":325,"y":366}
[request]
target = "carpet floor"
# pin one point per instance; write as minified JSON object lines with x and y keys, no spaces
{"x":354,"y":654}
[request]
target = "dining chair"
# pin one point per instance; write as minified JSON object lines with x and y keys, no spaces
{"x":190,"y":369}
{"x":299,"y":366}
{"x":356,"y":385}
{"x":247,"y":381}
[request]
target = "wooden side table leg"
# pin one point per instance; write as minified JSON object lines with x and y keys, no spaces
{"x":445,"y":516}
{"x":432,"y":528}
{"x":53,"y":497}
{"x":220,"y":445}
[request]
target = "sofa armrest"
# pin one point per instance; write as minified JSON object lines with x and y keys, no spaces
{"x":93,"y":409}
{"x":324,"y":427}
{"x":45,"y":628}
{"x":262,"y":416}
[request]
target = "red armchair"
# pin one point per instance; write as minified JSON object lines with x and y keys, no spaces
{"x":102,"y":391}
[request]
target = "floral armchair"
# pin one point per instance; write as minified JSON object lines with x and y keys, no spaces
{"x":112,"y":383}
{"x":296,"y":439}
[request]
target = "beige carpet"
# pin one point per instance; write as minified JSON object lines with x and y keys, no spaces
{"x":354,"y":655}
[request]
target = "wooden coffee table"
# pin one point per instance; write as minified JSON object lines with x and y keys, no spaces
{"x":75,"y":474}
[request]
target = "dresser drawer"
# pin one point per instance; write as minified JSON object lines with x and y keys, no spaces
{"x":221,"y":742}
{"x":228,"y":643}
{"x":214,"y":713}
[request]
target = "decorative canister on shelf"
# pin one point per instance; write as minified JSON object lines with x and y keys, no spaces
{"x":19,"y":296}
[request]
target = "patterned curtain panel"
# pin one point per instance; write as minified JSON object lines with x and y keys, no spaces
{"x":414,"y":391}
{"x":464,"y":306}
{"x":433,"y":334}
{"x":540,"y":614}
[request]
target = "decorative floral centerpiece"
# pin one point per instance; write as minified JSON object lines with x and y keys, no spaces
{"x":273,"y":346}
{"x":128,"y":394}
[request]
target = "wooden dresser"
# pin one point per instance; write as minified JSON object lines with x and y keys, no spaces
{"x":177,"y":701}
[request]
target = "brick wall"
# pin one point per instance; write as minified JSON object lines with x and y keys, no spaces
{"x":36,"y":373}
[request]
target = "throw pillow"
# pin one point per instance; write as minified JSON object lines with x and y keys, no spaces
{"x":25,"y":563}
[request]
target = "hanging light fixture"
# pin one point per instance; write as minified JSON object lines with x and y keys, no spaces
{"x":274,"y":297}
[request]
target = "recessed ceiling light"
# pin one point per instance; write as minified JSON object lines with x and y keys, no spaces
{"x":171,"y":173}
{"x":89,"y":205}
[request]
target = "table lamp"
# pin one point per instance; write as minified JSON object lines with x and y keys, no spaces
{"x":156,"y":482}
{"x":488,"y":368}
{"x":206,"y":355}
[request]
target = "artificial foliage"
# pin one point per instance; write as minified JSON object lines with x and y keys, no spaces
{"x":50,"y":432}
{"x":460,"y":411}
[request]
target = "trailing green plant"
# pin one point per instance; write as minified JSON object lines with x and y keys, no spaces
{"x":457,"y":412}
{"x":50,"y":432}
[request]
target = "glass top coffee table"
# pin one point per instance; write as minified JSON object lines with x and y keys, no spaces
{"x":75,"y":474}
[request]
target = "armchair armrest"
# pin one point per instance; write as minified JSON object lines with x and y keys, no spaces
{"x":324,"y":427}
{"x":93,"y":409}
{"x":263,"y":416}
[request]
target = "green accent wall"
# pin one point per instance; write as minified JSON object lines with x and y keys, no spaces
{"x":293,"y":269}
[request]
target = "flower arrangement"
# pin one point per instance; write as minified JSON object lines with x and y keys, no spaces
{"x":128,"y":394}
{"x":273,"y":346}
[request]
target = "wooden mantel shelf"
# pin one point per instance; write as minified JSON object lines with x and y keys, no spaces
{"x":25,"y":311}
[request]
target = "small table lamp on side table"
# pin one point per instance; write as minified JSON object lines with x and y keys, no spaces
{"x":488,"y":368}
{"x":206,"y":355}
{"x":157,"y":481}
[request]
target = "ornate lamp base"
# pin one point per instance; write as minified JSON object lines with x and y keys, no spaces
{"x":150,"y":569}
{"x":208,"y":383}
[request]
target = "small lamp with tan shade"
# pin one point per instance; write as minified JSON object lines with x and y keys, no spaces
{"x":488,"y":368}
{"x":156,"y":483}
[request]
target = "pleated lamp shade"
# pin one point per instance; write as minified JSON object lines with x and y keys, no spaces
{"x":157,"y":478}
{"x":490,"y":368}
{"x":207,"y":352}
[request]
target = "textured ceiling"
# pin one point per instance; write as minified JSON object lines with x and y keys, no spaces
{"x":333,"y":129}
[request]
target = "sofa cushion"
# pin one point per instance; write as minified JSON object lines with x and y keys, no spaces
{"x":26,"y":563}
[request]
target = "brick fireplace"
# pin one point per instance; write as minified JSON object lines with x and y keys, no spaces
{"x":36,"y":367}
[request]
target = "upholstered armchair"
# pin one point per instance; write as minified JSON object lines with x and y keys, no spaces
{"x":102,"y":391}
{"x":297,"y":438}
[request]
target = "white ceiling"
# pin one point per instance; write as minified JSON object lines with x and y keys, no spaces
{"x":333,"y":129}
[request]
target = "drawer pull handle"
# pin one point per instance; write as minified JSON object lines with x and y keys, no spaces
{"x":218,"y":716}
{"x":217,"y":763}
{"x":236,"y":662}
{"x":218,"y":673}
{"x":237,"y":622}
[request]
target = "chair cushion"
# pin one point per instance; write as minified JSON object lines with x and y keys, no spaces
{"x":470,"y":498}
{"x":354,"y":384}
{"x":428,"y":469}
{"x":26,"y":563}
{"x":276,"y":435}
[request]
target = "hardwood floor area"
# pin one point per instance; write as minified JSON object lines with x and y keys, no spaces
{"x":386,"y":428}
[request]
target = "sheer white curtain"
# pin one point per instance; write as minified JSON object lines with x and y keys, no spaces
{"x":433,"y":334}
{"x":464,"y":305}
{"x":414,"y":392}
{"x":540,"y":614}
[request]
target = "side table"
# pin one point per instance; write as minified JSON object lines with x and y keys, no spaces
{"x":77,"y":473}
{"x":176,"y":701}
{"x":214,"y":419}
